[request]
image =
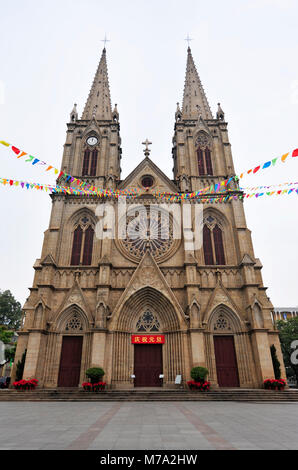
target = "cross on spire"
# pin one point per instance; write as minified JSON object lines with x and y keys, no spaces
{"x":188,"y":39}
{"x":147,"y":150}
{"x":105,"y":40}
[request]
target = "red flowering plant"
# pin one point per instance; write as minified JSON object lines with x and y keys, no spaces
{"x":203,"y":386}
{"x":25,"y":384}
{"x":274,"y":384}
{"x":99,"y":386}
{"x":89,"y":387}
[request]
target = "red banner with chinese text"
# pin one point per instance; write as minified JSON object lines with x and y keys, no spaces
{"x":147,"y":339}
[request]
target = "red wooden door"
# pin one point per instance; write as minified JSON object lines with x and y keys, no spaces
{"x":147,"y":365}
{"x":226,"y":362}
{"x":70,"y":361}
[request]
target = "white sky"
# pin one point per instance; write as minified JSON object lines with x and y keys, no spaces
{"x":246,"y":54}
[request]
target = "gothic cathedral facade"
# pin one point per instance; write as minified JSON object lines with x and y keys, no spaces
{"x":93,"y":299}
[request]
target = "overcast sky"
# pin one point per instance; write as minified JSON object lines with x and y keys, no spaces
{"x":246,"y":54}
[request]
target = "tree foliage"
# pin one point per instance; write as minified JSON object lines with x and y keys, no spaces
{"x":5,"y":334}
{"x":10,"y":310}
{"x":288,"y":331}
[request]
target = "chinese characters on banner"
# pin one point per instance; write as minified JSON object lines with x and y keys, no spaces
{"x":147,"y":339}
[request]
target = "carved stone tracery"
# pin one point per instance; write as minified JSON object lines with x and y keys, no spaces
{"x":203,"y":140}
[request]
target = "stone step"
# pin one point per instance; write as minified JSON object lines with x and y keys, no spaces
{"x":149,"y":395}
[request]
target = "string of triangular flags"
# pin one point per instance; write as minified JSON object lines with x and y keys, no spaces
{"x":221,"y":187}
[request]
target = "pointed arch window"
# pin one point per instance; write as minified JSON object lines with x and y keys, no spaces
{"x":93,"y":163}
{"x":76,"y":246}
{"x":82,"y":246}
{"x":90,"y":162}
{"x":218,"y":245}
{"x":213,"y":245}
{"x":204,"y":161}
{"x":86,"y":160}
{"x":207,"y":244}
{"x":88,"y":245}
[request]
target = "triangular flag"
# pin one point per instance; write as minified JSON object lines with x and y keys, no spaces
{"x":284,"y":157}
{"x":22,"y":154}
{"x":15,"y":150}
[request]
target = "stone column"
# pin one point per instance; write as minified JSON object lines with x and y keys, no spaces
{"x":98,"y":349}
{"x":262,"y":356}
{"x":197,"y":348}
{"x":33,"y":348}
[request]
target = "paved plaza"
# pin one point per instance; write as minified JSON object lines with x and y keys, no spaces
{"x":148,"y":425}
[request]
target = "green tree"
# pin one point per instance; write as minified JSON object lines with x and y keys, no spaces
{"x":10,"y":310}
{"x":5,"y":334}
{"x":288,"y":331}
{"x":10,"y":353}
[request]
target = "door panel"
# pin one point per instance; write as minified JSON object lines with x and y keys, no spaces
{"x":226,"y":362}
{"x":147,"y":365}
{"x":70,"y":361}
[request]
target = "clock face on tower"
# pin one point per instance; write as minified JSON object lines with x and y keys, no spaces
{"x":92,"y":140}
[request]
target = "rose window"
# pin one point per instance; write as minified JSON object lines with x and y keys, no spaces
{"x":222,"y":323}
{"x":148,"y":322}
{"x":74,"y":323}
{"x":150,"y":229}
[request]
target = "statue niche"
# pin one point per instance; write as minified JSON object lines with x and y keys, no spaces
{"x":194,"y":315}
{"x":101,"y":315}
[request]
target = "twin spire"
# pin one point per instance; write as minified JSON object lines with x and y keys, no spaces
{"x":98,"y":105}
{"x":194,"y":99}
{"x":195,"y":102}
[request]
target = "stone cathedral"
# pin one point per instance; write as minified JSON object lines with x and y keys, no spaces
{"x":147,"y":310}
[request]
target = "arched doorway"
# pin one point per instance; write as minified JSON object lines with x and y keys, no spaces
{"x":230,"y":358}
{"x":148,"y":344}
{"x":149,"y":316}
{"x":72,"y":326}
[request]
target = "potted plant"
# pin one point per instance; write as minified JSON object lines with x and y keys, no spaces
{"x":274,"y":384}
{"x":199,"y":374}
{"x":25,"y":384}
{"x":96,"y":387}
{"x":199,"y":381}
{"x":95,"y":374}
{"x":87,"y":386}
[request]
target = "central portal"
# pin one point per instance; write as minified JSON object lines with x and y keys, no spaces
{"x":147,"y":365}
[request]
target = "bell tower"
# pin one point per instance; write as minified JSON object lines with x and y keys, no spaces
{"x":92,"y":149}
{"x":201,"y":148}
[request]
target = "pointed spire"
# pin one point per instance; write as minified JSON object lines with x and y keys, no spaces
{"x":98,"y":105}
{"x":74,"y":113}
{"x":194,"y":99}
{"x":220,"y":114}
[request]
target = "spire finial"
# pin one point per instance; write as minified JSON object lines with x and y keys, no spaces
{"x":188,"y":39}
{"x":105,"y":40}
{"x":147,"y":150}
